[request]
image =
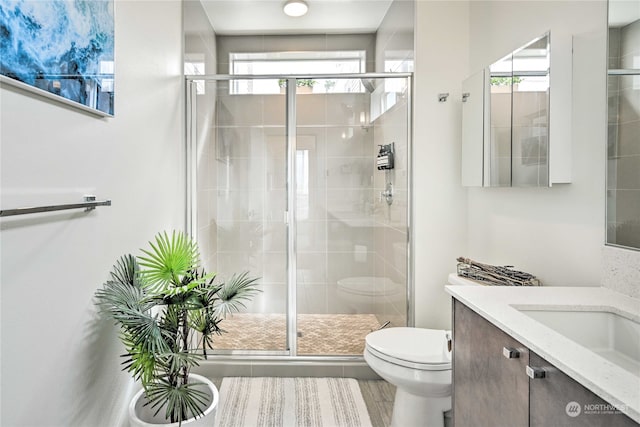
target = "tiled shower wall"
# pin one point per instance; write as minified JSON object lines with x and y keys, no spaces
{"x":334,"y":217}
{"x":335,"y":238}
{"x":391,"y":225}
{"x":334,"y":225}
{"x":395,"y":52}
{"x":345,"y":232}
{"x":623,"y":180}
{"x":247,"y":169}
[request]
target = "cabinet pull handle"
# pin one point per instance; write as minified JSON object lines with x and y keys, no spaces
{"x":510,"y":353}
{"x":535,"y":373}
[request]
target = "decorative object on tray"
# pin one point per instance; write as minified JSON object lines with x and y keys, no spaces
{"x":495,"y":275}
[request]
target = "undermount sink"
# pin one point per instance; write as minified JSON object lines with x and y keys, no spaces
{"x":606,"y":333}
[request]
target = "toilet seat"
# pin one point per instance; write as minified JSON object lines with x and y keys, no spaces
{"x":416,"y":348}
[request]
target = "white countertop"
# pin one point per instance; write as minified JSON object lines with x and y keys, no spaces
{"x":495,"y":303}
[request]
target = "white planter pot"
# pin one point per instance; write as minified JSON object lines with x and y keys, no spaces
{"x":142,"y":416}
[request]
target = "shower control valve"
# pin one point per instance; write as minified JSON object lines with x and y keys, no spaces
{"x":387,"y":194}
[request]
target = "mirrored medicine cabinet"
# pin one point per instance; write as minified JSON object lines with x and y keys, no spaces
{"x":505,"y":120}
{"x":623,"y":124}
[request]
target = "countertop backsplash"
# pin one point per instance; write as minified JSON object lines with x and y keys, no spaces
{"x":621,"y":270}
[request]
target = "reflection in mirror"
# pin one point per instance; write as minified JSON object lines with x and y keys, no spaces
{"x":519,"y":117}
{"x":530,"y":118}
{"x":623,"y":136}
{"x":500,"y":89}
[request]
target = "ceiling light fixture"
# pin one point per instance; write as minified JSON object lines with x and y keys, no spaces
{"x":295,"y":8}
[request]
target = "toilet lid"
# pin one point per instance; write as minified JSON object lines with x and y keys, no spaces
{"x":416,"y":345}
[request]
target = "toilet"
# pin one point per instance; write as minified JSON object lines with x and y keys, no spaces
{"x":418,"y":362}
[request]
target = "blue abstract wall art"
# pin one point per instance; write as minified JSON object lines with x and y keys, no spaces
{"x":64,"y":47}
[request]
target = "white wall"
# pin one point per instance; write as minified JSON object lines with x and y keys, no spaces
{"x":395,"y":38}
{"x":555,"y":233}
{"x":200,"y":41}
{"x":60,"y":366}
{"x":441,"y":64}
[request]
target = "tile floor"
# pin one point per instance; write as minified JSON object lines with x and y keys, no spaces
{"x":378,"y":396}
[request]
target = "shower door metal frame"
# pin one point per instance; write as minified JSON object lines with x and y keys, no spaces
{"x":289,"y":215}
{"x":190,"y":157}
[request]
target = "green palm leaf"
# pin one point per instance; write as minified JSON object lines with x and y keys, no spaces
{"x":180,"y":402}
{"x":118,"y":300}
{"x":234,"y":292}
{"x":177,"y":361}
{"x":170,"y":321}
{"x":126,"y":270}
{"x":123,"y":292}
{"x":206,"y":323}
{"x":145,"y":333}
{"x":140,"y":363}
{"x":169,"y":259}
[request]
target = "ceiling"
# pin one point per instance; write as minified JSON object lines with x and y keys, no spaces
{"x":623,"y":12}
{"x":236,"y":17}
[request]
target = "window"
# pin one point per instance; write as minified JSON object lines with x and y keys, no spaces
{"x":297,"y":63}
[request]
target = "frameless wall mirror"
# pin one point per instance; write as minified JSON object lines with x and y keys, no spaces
{"x":506,"y":120}
{"x":623,"y":130}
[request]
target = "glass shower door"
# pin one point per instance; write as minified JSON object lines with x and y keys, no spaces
{"x":348,"y":283}
{"x":286,"y":186}
{"x":241,"y":199}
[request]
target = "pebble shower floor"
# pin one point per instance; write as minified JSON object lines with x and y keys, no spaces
{"x":318,"y":334}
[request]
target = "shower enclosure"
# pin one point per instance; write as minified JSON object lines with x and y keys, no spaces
{"x":286,"y":180}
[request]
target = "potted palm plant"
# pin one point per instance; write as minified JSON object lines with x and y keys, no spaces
{"x":168,"y":309}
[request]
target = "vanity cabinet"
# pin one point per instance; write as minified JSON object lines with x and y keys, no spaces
{"x":551,"y":399}
{"x":489,"y":390}
{"x":492,"y":384}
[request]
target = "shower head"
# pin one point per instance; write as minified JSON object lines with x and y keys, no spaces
{"x":368,"y":84}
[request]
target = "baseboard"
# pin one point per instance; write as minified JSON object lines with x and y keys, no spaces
{"x":217,"y":367}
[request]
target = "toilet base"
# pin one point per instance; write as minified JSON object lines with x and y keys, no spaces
{"x":410,"y":410}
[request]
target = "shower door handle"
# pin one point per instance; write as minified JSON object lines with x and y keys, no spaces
{"x":286,"y":217}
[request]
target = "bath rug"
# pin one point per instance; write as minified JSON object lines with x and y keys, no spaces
{"x":291,"y":402}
